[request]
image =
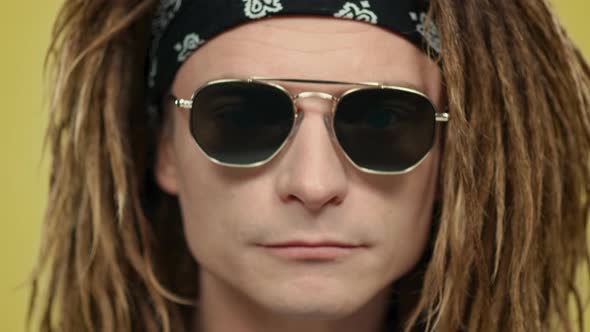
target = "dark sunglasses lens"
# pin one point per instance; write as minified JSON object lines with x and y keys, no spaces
{"x":241,"y":123}
{"x":385,"y":130}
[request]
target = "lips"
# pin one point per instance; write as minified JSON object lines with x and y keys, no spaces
{"x":312,"y":244}
{"x":307,"y":250}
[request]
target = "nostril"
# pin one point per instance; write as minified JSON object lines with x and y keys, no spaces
{"x":315,"y":198}
{"x":313,"y":205}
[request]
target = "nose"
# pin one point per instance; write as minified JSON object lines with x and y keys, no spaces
{"x":312,"y":171}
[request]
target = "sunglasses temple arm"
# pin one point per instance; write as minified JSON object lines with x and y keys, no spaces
{"x":441,"y":117}
{"x":182,"y":103}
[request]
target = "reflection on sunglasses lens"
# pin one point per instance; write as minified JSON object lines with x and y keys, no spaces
{"x":385,"y":130}
{"x":241,"y":123}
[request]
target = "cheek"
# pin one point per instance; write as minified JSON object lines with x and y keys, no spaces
{"x":199,"y":200}
{"x":406,"y":216}
{"x":405,"y":242}
{"x":202,"y":194}
{"x":216,"y":203}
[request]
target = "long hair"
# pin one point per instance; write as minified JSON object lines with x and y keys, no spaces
{"x":515,"y":178}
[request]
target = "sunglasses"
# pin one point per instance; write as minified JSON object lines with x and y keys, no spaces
{"x":247,"y":122}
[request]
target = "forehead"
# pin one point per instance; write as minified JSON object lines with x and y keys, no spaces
{"x":310,"y":48}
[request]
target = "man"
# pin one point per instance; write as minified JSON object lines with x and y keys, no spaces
{"x":291,"y":175}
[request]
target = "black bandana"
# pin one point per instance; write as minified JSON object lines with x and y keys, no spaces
{"x":180,"y":27}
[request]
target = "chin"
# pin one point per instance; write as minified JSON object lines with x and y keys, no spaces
{"x":329,"y":303}
{"x":309,"y":310}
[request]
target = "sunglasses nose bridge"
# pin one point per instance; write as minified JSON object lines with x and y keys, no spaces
{"x":320,"y":95}
{"x":311,"y":94}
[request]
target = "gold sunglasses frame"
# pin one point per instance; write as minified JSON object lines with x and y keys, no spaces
{"x":187,"y":104}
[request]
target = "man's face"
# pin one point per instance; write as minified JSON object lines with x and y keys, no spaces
{"x":310,"y":191}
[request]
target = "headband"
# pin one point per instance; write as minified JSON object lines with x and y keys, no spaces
{"x":180,"y":27}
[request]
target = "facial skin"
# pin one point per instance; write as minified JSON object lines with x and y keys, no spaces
{"x":309,"y":191}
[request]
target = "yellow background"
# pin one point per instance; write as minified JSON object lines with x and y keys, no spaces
{"x":24,"y":35}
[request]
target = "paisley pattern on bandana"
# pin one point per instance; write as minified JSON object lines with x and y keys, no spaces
{"x":153,"y":72}
{"x":190,"y":43}
{"x":427,"y":29}
{"x":354,"y":12}
{"x":260,"y":8}
{"x":165,"y":12}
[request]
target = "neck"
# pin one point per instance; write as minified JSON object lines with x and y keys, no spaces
{"x":221,"y":308}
